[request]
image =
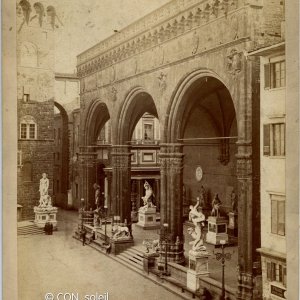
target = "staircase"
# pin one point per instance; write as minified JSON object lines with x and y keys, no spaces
{"x":29,"y":230}
{"x":131,"y":257}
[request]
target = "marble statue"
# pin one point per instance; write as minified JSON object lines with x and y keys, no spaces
{"x":45,"y":200}
{"x":97,"y":194}
{"x":202,"y":196}
{"x":44,"y":185}
{"x":154,"y":245}
{"x":234,"y":201}
{"x":215,"y":204}
{"x":198,"y":219}
{"x":148,"y":197}
{"x":121,"y":232}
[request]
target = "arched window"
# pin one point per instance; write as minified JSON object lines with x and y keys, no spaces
{"x":28,"y":128}
{"x":29,"y":55}
{"x":27,"y":171}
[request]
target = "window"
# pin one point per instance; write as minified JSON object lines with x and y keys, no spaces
{"x":275,"y":74}
{"x":148,"y":131}
{"x":278,"y":214}
{"x":26,"y":98}
{"x":54,"y":133}
{"x":276,"y":272}
{"x":274,"y":139}
{"x":28,"y":128}
{"x":23,"y":131}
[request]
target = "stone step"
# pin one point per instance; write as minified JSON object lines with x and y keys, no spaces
{"x":29,"y":230}
{"x":135,"y":252}
{"x":138,"y":261}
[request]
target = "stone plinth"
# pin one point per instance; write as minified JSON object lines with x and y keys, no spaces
{"x":147,"y":218}
{"x":149,"y":261}
{"x":198,"y":267}
{"x":233,"y":224}
{"x":118,"y":246}
{"x":45,"y":214}
{"x":217,"y":230}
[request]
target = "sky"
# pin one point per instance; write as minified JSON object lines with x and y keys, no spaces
{"x":87,"y":22}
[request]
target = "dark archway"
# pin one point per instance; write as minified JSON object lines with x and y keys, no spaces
{"x":61,"y":176}
{"x":137,"y":103}
{"x":97,"y":138}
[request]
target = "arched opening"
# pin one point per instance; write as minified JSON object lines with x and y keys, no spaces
{"x":139,"y":135}
{"x":61,"y":180}
{"x":207,"y":128}
{"x":203,"y":123}
{"x":98,"y":141}
{"x":136,"y":105}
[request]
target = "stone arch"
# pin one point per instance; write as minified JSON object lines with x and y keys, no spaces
{"x":186,"y":86}
{"x":132,"y":110}
{"x":98,"y":115}
{"x":64,"y":174}
{"x":29,"y":55}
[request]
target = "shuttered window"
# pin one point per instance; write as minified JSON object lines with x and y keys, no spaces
{"x":274,"y":74}
{"x":266,"y":141}
{"x":278,"y":215}
{"x":274,"y":139}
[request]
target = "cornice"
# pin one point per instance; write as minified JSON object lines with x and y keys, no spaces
{"x":193,"y":14}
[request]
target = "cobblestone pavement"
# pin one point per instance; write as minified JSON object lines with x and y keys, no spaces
{"x":59,"y":264}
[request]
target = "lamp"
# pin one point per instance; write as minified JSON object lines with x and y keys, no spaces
{"x":166,"y":272}
{"x":223,"y":256}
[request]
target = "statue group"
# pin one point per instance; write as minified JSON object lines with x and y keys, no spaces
{"x":45,"y":212}
{"x":197,"y":218}
{"x":147,"y":199}
{"x":45,"y":199}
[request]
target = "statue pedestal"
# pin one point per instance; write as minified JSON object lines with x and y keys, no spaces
{"x":233,"y":224}
{"x":147,"y":218}
{"x":217,"y":230}
{"x":149,"y":261}
{"x":198,"y":266}
{"x":44,"y":215}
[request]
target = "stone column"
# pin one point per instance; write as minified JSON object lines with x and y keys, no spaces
{"x":87,"y":174}
{"x":157,"y":194}
{"x":171,"y":159}
{"x":109,"y":193}
{"x":121,"y":178}
{"x":139,"y":193}
{"x":248,"y":241}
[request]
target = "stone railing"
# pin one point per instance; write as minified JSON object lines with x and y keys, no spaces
{"x":165,"y":23}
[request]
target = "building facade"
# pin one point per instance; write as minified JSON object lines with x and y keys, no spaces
{"x":66,"y":128}
{"x":35,"y":77}
{"x":273,"y":171}
{"x":184,"y":64}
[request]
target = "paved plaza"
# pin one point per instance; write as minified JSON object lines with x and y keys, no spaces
{"x":59,"y":264}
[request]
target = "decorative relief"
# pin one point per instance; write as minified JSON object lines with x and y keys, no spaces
{"x":24,"y":12}
{"x":234,"y":62}
{"x":186,"y":20}
{"x":113,"y":94}
{"x":162,"y":84}
{"x":195,"y":42}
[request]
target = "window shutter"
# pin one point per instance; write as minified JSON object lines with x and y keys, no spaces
{"x":266,"y":140}
{"x":269,"y":271}
{"x":267,"y":76}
